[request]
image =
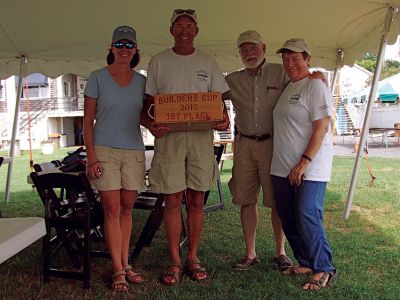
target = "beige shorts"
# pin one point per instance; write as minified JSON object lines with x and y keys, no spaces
{"x":251,"y":172}
{"x":183,"y":160}
{"x":123,"y":169}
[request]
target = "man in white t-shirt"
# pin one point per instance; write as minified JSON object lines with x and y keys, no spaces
{"x":183,"y":161}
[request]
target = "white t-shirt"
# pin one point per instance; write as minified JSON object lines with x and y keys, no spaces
{"x":170,"y":73}
{"x":300,"y":104}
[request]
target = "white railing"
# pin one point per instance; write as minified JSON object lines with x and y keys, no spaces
{"x":354,"y":114}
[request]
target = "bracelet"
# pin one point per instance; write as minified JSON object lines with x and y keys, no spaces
{"x":92,"y":164}
{"x":306,"y":157}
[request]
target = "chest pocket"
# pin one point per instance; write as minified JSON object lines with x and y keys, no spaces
{"x":273,"y":92}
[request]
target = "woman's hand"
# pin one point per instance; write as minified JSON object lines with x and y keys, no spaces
{"x":94,"y":170}
{"x":320,"y":128}
{"x":296,"y":174}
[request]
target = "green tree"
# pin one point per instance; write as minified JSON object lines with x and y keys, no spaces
{"x":368,"y":62}
{"x":390,"y":67}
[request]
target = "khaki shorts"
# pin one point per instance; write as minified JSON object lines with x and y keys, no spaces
{"x":123,"y":169}
{"x":183,"y":160}
{"x":251,"y":172}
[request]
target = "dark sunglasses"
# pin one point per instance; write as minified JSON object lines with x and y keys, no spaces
{"x":128,"y":45}
{"x":185,"y":11}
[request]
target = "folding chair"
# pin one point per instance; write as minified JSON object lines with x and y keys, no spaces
{"x":57,"y":166}
{"x":218,"y":151}
{"x":155,"y":203}
{"x":74,"y":218}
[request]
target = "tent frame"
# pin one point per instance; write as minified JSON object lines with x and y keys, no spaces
{"x":391,"y":11}
{"x":365,"y":128}
{"x":11,"y":153}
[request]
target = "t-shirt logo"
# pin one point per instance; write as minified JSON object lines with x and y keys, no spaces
{"x":202,"y":75}
{"x":323,"y":107}
{"x":294,"y":99}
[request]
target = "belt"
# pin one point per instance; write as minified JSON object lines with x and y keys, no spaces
{"x":257,"y":137}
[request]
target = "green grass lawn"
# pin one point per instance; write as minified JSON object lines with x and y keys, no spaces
{"x":366,"y":248}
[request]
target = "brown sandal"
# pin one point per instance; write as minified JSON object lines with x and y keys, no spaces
{"x":193,"y":272}
{"x":133,"y":277}
{"x":168,"y":274}
{"x":119,"y":285}
{"x":326,"y":279}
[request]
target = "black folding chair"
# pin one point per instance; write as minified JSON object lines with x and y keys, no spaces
{"x":218,"y":151}
{"x":57,"y":166}
{"x":74,"y":218}
{"x":153,"y":202}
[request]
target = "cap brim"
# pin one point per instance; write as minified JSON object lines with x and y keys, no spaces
{"x":254,"y":41}
{"x":124,"y":37}
{"x":291,"y":48}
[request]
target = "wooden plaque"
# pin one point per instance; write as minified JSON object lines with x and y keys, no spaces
{"x":188,"y":111}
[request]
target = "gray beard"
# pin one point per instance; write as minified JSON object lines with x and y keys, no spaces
{"x":250,"y":66}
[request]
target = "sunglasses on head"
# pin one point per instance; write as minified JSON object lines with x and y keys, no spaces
{"x":128,"y":45}
{"x":185,"y":11}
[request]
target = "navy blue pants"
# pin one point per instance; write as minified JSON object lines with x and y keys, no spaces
{"x":301,"y":212}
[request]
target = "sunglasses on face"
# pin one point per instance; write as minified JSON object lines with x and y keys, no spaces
{"x":185,"y":11}
{"x":128,"y":45}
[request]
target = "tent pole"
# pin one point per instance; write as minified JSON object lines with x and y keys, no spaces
{"x":365,"y":128}
{"x":334,"y":84}
{"x":22,"y":73}
{"x":339,"y":64}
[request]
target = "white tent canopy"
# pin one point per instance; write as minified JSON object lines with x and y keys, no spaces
{"x":58,"y":37}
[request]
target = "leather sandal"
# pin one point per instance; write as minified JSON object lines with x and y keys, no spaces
{"x":326,"y":279}
{"x":169,"y":274}
{"x":119,"y":285}
{"x":193,"y":272}
{"x":133,"y":277}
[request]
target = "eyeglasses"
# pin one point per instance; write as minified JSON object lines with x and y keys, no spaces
{"x":250,"y":49}
{"x":185,"y":11}
{"x":128,"y":45}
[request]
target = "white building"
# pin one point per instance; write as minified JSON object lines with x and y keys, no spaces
{"x":353,"y":79}
{"x":52,"y":107}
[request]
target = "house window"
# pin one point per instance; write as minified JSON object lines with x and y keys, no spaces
{"x":35,"y":86}
{"x":34,"y":91}
{"x":67,"y":89}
